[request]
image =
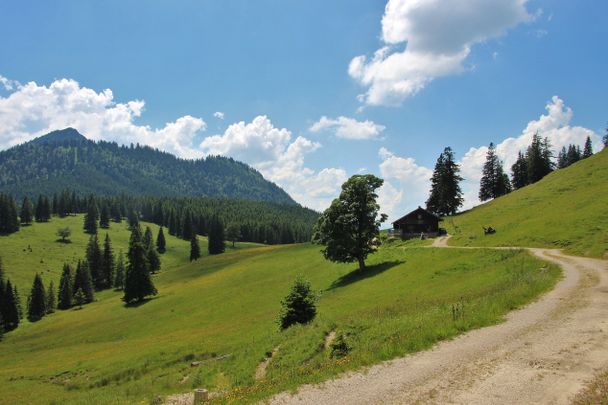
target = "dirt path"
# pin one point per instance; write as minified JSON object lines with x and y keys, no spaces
{"x":542,"y":354}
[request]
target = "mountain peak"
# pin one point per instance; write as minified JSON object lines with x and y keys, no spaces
{"x":62,"y":135}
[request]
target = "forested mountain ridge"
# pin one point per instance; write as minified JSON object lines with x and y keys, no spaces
{"x":65,"y":159}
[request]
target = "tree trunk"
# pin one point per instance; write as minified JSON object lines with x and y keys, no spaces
{"x":361,"y":264}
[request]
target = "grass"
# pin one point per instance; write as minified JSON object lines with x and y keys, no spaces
{"x":595,"y":393}
{"x":568,"y":209}
{"x":221,"y":311}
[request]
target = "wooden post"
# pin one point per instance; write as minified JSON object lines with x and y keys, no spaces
{"x":200,"y":395}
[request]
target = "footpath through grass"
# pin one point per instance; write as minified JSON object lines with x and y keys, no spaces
{"x":567,"y":209}
{"x":221,"y":311}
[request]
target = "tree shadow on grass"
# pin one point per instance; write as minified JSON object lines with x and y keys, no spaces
{"x":139,"y":303}
{"x":358,"y":275}
{"x":64,"y":241}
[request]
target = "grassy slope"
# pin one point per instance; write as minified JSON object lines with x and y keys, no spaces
{"x":567,"y":209}
{"x":221,"y":310}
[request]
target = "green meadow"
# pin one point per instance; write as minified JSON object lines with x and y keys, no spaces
{"x":221,"y":311}
{"x":568,"y":209}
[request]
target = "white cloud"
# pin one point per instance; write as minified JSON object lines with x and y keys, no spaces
{"x":349,"y":128}
{"x":437,"y":36}
{"x":31,"y":110}
{"x":280,"y":158}
{"x":406,"y":184}
{"x":219,"y":115}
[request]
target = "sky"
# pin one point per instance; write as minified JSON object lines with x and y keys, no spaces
{"x":311,"y":92}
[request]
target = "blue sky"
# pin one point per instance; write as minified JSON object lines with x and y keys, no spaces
{"x":460,"y":73}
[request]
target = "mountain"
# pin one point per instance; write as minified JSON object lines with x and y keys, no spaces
{"x":568,"y":209}
{"x":65,"y":159}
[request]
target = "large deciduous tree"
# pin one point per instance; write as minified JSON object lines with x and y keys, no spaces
{"x":349,"y":228}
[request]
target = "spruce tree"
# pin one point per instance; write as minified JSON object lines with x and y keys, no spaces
{"x":188,"y":226}
{"x":161,"y":244}
{"x":46,"y":209}
{"x":489,"y":177}
{"x":9,"y":221}
{"x":83,"y":281}
{"x":95,"y":259}
{"x":80,"y":298}
{"x":133,"y":219}
{"x":119,"y":279}
{"x":588,"y":150}
{"x":148,"y":239}
{"x":299,"y":305}
{"x":446,"y":196}
{"x":90,"y":218}
{"x":138,"y":282}
{"x":562,"y":158}
{"x":65,"y":295}
{"x":27,"y":212}
{"x":217,"y":243}
{"x":39,"y":212}
{"x":36,"y":308}
{"x":519,"y":170}
{"x":107,"y":263}
{"x":18,"y":302}
{"x":538,"y":159}
{"x":10,"y":307}
{"x":195,"y":249}
{"x":50,"y":299}
{"x":104,"y":217}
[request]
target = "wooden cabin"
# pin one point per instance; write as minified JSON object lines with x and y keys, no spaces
{"x":416,"y":223}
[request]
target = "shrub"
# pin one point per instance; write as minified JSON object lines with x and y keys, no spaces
{"x":299,"y":305}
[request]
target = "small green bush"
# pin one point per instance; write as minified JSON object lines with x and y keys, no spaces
{"x":299,"y":305}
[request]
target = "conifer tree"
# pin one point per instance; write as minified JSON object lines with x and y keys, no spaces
{"x":446,"y":195}
{"x":36,"y":308}
{"x":39,"y":213}
{"x":104,"y":217}
{"x":18,"y":302}
{"x":148,"y":239}
{"x":90,"y":218}
{"x":65,"y":295}
{"x":494,"y":181}
{"x":46,"y":209}
{"x":138,"y":282}
{"x":588,"y":150}
{"x":27,"y":212}
{"x":50,"y":299}
{"x":538,"y":159}
{"x":195,"y":249}
{"x":9,"y":221}
{"x":107,"y":264}
{"x":562,"y":158}
{"x":94,"y":260}
{"x":187,"y":226}
{"x":299,"y":305}
{"x":119,"y":279}
{"x":217,"y":242}
{"x":115,"y":213}
{"x":80,"y":298}
{"x":83,"y":281}
{"x":519,"y":170}
{"x":10,"y":307}
{"x":161,"y":244}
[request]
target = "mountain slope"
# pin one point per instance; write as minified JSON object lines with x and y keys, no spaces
{"x":567,"y":209}
{"x":67,"y":160}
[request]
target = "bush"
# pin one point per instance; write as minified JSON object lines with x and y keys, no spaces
{"x":299,"y":305}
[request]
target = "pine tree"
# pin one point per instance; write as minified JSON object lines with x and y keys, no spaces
{"x":119,"y":280}
{"x":94,"y":260}
{"x":107,"y":263}
{"x":27,"y":212}
{"x":18,"y":302}
{"x":588,"y":150}
{"x":39,"y":213}
{"x":36,"y":308}
{"x":160,"y":241}
{"x":9,"y":221}
{"x":195,"y":249}
{"x":90,"y":218}
{"x":80,"y":298}
{"x":446,"y":195}
{"x":148,"y":239}
{"x":65,"y":295}
{"x":188,"y":226}
{"x":519,"y":172}
{"x":50,"y":299}
{"x":10,"y":307}
{"x":217,"y":242}
{"x":562,"y":158}
{"x":538,"y":159}
{"x":46,"y":209}
{"x":138,"y":283}
{"x":298,"y":306}
{"x":83,"y":281}
{"x":493,"y":178}
{"x":104,"y":217}
{"x":133,"y":219}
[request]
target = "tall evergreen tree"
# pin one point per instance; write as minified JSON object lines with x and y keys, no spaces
{"x":50,"y":299}
{"x":66,"y":294}
{"x":27,"y":212}
{"x":195,"y":249}
{"x":94,"y":260}
{"x":18,"y":302}
{"x":91,"y":217}
{"x":217,"y":243}
{"x":46,"y":209}
{"x":83,"y":281}
{"x":9,"y":307}
{"x":161,"y":244}
{"x":148,"y":239}
{"x":446,"y":195}
{"x":104,"y":217}
{"x":538,"y":159}
{"x":138,"y":282}
{"x":588,"y":150}
{"x":562,"y":158}
{"x":187,"y":226}
{"x":39,"y":214}
{"x":119,"y":279}
{"x":519,"y":171}
{"x":36,"y":308}
{"x":9,"y":221}
{"x":107,"y":263}
{"x":493,"y":182}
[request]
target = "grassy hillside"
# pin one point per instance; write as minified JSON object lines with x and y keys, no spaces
{"x":567,"y":209}
{"x":222,"y":312}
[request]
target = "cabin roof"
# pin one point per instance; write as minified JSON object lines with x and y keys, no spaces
{"x":416,"y":211}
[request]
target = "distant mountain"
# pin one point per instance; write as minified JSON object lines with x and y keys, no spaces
{"x":66,"y":159}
